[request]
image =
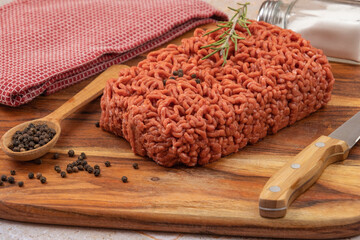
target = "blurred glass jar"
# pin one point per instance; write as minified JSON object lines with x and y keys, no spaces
{"x":333,"y":26}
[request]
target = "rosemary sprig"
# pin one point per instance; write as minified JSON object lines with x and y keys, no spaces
{"x":222,"y":45}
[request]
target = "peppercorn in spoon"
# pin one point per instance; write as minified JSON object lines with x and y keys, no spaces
{"x":53,"y":120}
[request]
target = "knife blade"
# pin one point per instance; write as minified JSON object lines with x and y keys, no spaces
{"x":298,"y":174}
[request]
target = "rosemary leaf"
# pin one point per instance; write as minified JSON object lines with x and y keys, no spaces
{"x":225,"y":33}
{"x":216,"y":29}
{"x":235,"y":42}
{"x":214,"y":43}
{"x":210,"y":54}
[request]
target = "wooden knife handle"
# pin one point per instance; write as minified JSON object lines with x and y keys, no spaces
{"x":299,"y":174}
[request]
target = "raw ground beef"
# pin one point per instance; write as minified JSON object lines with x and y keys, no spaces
{"x":274,"y":79}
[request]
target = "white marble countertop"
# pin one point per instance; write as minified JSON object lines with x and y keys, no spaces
{"x":29,"y":231}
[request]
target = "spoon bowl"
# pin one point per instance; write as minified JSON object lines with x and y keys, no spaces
{"x":53,"y":120}
{"x":6,"y":141}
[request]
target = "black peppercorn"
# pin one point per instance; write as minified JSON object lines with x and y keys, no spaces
{"x":37,"y":161}
{"x":97,"y":124}
{"x":31,"y":175}
{"x":75,"y":169}
{"x":80,"y":157}
{"x":175,"y":73}
{"x":71,"y":153}
{"x":135,"y":166}
{"x":90,"y":169}
{"x":164,"y":82}
{"x":197,"y":81}
{"x":11,"y":179}
{"x":83,"y":155}
{"x":84,"y":163}
{"x":56,"y":166}
{"x":193,"y":75}
{"x":21,"y":183}
{"x":58,"y":169}
{"x":3,"y":178}
{"x":69,"y":170}
{"x":43,"y":179}
{"x":86,"y":166}
{"x":63,"y":174}
{"x":12,"y":172}
{"x":1,"y":183}
{"x":107,"y":164}
{"x":56,"y":156}
{"x":124,"y":179}
{"x":80,"y":168}
{"x":181,"y":73}
{"x":171,"y":77}
{"x":96,"y":166}
{"x":97,"y":172}
{"x":38,"y":175}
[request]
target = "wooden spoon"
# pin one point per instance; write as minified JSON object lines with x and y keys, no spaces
{"x":53,"y":120}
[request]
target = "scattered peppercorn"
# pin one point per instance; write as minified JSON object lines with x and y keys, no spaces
{"x":43,"y":179}
{"x":124,"y":179}
{"x":12,"y":172}
{"x":1,"y":183}
{"x":84,"y":163}
{"x":31,"y":175}
{"x":56,"y":156}
{"x":58,"y":169}
{"x":56,"y":166}
{"x":90,"y":169}
{"x":75,"y":169}
{"x":83,"y":155}
{"x":86,"y":166}
{"x":3,"y":178}
{"x":175,"y":73}
{"x":193,"y":75}
{"x":69,"y":170}
{"x":11,"y":179}
{"x":107,"y":164}
{"x":171,"y":77}
{"x":96,"y":166}
{"x":32,"y":137}
{"x":135,"y":166}
{"x":97,"y":124}
{"x":80,"y":157}
{"x":38,"y":175}
{"x":181,"y":73}
{"x":37,"y":161}
{"x":197,"y":81}
{"x":80,"y":168}
{"x":71,"y":153}
{"x":21,"y":183}
{"x":97,"y":172}
{"x":164,"y":82}
{"x":63,"y":174}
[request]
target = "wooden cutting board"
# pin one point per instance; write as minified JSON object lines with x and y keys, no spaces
{"x":219,"y":198}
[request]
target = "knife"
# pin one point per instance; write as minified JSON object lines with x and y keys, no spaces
{"x":306,"y":167}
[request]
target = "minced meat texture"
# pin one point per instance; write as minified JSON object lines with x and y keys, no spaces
{"x":274,"y":79}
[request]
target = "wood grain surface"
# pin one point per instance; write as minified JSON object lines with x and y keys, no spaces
{"x":219,"y":198}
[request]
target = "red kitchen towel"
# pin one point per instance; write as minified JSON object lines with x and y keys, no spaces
{"x":47,"y":45}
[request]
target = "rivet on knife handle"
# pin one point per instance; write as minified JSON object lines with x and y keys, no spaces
{"x":299,"y":174}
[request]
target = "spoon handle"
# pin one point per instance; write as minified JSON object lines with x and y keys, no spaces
{"x":89,"y":93}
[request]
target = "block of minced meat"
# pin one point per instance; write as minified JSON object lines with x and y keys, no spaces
{"x":176,"y":108}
